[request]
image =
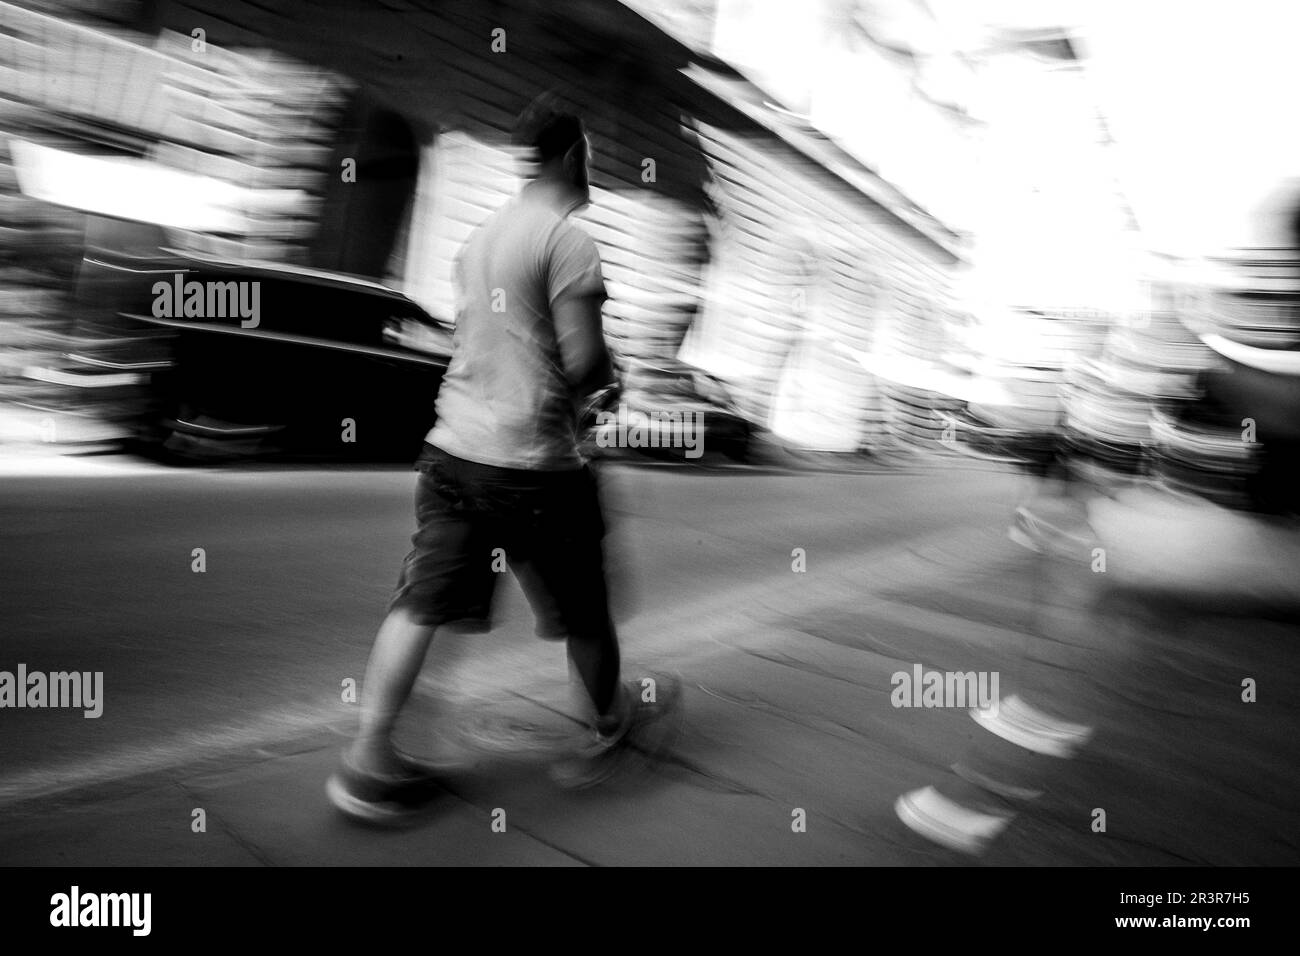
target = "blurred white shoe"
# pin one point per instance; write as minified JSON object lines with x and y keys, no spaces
{"x":1015,"y":721}
{"x":930,"y":814}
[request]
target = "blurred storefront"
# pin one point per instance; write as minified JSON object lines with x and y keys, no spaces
{"x":748,"y":228}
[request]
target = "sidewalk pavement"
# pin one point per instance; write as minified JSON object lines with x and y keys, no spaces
{"x":786,"y":709}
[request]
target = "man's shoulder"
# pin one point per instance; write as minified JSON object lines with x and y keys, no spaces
{"x":531,"y":221}
{"x":573,"y":230}
{"x":559,"y":231}
{"x":533,"y":226}
{"x":571,"y":238}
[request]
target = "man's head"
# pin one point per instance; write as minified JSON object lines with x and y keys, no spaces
{"x":557,"y":141}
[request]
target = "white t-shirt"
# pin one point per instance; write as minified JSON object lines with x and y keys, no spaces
{"x":505,"y":400}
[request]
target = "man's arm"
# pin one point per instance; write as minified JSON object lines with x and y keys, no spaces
{"x":581,"y":340}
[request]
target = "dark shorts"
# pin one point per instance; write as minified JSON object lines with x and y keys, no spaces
{"x":475,"y":521}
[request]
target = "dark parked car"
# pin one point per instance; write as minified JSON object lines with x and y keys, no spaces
{"x":192,"y":358}
{"x":209,"y":359}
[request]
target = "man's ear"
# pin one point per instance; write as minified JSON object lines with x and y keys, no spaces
{"x":572,"y":159}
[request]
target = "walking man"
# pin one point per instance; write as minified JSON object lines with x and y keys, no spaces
{"x":501,"y":470}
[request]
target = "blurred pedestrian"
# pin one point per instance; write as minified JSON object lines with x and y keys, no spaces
{"x":501,"y":469}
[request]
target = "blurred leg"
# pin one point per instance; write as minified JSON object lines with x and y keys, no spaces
{"x":559,"y":562}
{"x":395,"y":662}
{"x":446,"y":577}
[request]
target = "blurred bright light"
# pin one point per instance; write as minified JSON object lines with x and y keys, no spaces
{"x":1198,"y":97}
{"x":126,"y":188}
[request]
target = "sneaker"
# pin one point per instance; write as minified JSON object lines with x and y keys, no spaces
{"x":930,"y":814}
{"x":1025,"y":726}
{"x":602,"y":754}
{"x":382,"y":800}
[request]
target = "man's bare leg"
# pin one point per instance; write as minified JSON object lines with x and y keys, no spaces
{"x":395,"y":663}
{"x":594,"y":664}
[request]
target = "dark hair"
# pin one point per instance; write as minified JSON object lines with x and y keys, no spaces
{"x":547,"y":128}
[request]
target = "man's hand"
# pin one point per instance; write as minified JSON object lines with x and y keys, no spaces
{"x":601,"y":400}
